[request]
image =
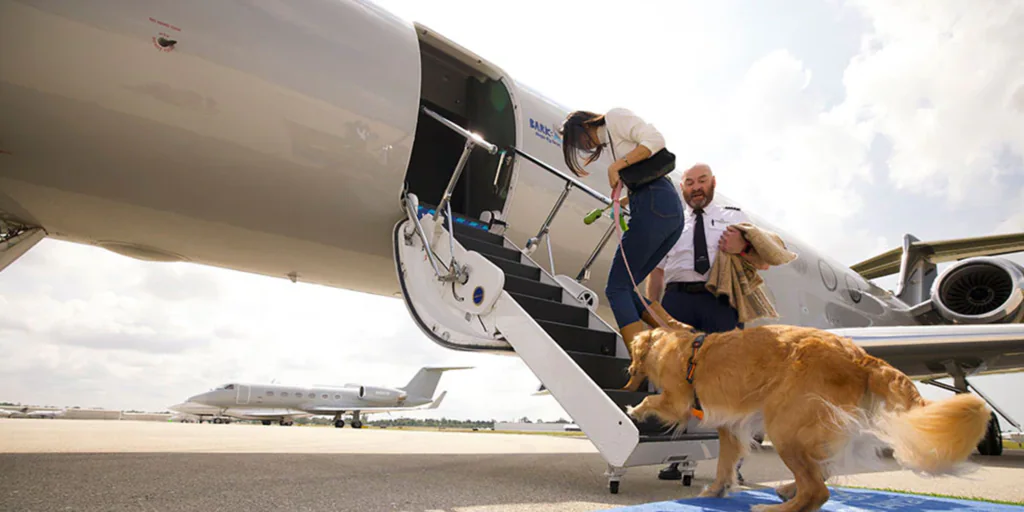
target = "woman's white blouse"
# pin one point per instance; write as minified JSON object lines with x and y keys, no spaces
{"x":628,"y":130}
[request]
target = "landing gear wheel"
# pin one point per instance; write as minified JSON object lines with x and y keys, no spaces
{"x":687,"y":480}
{"x":613,"y":486}
{"x":992,"y":443}
{"x":340,"y":424}
{"x":357,"y":424}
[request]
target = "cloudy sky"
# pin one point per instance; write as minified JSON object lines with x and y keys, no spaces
{"x":848,"y":122}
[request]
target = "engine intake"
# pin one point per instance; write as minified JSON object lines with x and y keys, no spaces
{"x":375,"y":394}
{"x":980,"y":291}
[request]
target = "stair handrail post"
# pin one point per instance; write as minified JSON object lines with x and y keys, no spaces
{"x":446,"y":196}
{"x":455,"y":271}
{"x":410,"y":213}
{"x":532,"y":243}
{"x":584,"y":273}
{"x":570,"y":183}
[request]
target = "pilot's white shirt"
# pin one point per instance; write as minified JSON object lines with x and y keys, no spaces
{"x":678,"y":263}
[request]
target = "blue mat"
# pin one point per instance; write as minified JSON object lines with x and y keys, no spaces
{"x":843,"y":499}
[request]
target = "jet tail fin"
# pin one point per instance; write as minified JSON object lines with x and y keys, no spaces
{"x":425,"y":381}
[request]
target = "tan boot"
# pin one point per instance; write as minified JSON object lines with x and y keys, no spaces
{"x":629,"y":332}
{"x":672,"y":323}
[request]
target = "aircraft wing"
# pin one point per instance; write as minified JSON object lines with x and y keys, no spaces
{"x":325,"y":409}
{"x":927,"y":351}
{"x":941,"y":251}
{"x":261,"y":413}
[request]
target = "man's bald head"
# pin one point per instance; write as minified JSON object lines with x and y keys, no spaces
{"x":698,"y":185}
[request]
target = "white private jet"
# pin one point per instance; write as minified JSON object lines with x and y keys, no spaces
{"x":335,"y":143}
{"x":27,"y":412}
{"x":276,"y":401}
{"x":214,"y":414}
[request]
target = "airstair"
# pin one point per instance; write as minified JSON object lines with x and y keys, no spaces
{"x":468,"y":288}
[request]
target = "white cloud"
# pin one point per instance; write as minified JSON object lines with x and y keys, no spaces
{"x":791,"y":160}
{"x":943,"y":81}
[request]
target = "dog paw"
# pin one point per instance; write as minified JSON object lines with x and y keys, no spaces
{"x":714,"y":491}
{"x":786,"y":492}
{"x":637,"y":413}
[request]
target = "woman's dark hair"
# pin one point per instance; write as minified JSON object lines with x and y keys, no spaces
{"x":574,"y":130}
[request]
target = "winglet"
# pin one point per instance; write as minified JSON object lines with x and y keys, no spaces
{"x":437,"y":402}
{"x":425,"y":381}
{"x":541,"y":391}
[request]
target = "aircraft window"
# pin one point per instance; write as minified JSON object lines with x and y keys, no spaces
{"x":324,"y":396}
{"x":229,"y":386}
{"x":312,"y":395}
{"x":828,"y":276}
{"x":271,"y":393}
{"x":284,"y":393}
{"x":337,"y":397}
{"x":854,"y":288}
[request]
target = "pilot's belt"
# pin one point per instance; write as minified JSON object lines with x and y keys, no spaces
{"x":688,"y":287}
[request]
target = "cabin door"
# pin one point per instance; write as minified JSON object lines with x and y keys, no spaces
{"x":243,"y":394}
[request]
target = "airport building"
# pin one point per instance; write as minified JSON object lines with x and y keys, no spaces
{"x":535,"y":427}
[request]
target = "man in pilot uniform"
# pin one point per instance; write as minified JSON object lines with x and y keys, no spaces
{"x":683,"y":272}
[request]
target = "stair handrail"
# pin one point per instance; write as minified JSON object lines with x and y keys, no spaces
{"x":544,"y":232}
{"x":455,"y":271}
{"x":478,"y":140}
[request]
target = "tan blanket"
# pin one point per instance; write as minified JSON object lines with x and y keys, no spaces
{"x":736,"y":278}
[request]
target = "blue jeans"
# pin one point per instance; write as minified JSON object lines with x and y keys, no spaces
{"x":655,"y":223}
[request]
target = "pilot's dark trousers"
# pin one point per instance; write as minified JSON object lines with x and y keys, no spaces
{"x":694,"y":305}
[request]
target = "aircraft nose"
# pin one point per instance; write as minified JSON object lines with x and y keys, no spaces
{"x":201,"y":398}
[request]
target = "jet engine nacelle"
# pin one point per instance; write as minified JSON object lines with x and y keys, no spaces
{"x":375,"y":394}
{"x":983,"y":290}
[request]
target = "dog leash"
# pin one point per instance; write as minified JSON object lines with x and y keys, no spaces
{"x":622,"y":250}
{"x":696,"y":410}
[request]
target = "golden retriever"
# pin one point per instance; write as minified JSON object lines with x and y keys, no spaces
{"x":815,"y":394}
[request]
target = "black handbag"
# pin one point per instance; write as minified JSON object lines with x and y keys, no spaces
{"x":638,"y":175}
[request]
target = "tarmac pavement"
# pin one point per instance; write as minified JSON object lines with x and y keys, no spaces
{"x":127,"y":465}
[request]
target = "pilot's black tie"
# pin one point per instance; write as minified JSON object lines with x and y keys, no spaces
{"x":701,"y":263}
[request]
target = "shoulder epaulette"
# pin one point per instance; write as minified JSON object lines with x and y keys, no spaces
{"x":731,"y":208}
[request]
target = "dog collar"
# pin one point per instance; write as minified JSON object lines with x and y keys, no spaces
{"x":697,"y":342}
{"x":696,"y":410}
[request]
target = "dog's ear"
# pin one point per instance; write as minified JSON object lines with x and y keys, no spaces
{"x":640,"y":347}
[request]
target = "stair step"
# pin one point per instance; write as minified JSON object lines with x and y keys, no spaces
{"x":532,"y":288}
{"x":541,"y":309}
{"x":665,"y":438}
{"x":622,"y":398}
{"x":512,"y":268}
{"x":477,"y":233}
{"x":580,"y":339}
{"x":482,"y":247}
{"x":607,"y":372}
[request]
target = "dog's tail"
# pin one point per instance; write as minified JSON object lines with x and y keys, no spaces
{"x":931,"y":437}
